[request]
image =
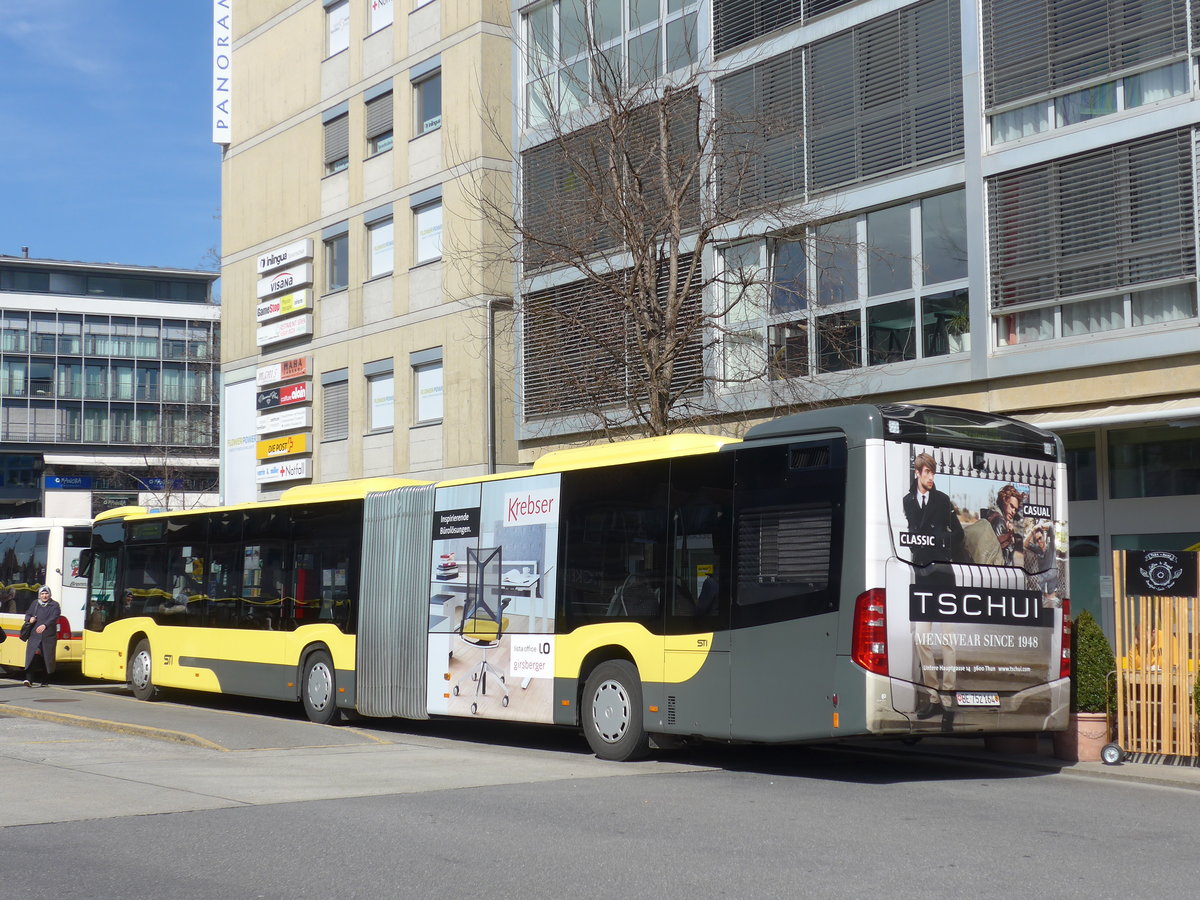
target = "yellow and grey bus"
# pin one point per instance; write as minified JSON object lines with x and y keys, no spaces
{"x":863,"y":570}
{"x":37,"y":552}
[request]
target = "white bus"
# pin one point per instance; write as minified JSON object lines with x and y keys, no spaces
{"x":33,"y":553}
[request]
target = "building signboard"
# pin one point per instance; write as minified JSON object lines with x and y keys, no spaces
{"x":284,"y":395}
{"x":289,"y":470}
{"x":298,"y":419}
{"x":284,"y":330}
{"x":289,"y":279}
{"x":288,"y":369}
{"x":68,"y":482}
{"x":284,"y":305}
{"x":283,"y":445}
{"x":286,"y":255}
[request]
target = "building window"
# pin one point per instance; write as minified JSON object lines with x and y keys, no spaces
{"x":1092,"y":102}
{"x":380,"y":248}
{"x":335,"y":406}
{"x":427,"y":228}
{"x":1044,"y":47}
{"x":427,"y":95}
{"x":381,"y":14}
{"x":427,"y":391}
{"x":381,"y":395}
{"x":379,"y":124}
{"x":574,"y":49}
{"x":337,"y":144}
{"x":1108,"y":233}
{"x":1154,"y":461}
{"x":337,"y":26}
{"x":804,"y":306}
{"x":337,"y":262}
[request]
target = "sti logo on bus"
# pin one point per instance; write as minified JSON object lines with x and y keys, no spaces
{"x":981,"y":606}
{"x":531,"y":508}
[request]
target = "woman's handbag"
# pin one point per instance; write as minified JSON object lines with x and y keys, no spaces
{"x":27,"y":630}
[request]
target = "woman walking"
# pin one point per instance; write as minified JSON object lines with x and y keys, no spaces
{"x":43,"y":643}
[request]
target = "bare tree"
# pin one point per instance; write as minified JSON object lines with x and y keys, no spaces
{"x":625,"y":324}
{"x":177,"y":468}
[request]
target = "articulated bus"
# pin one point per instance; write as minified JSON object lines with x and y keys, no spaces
{"x":37,"y":552}
{"x":863,"y":570}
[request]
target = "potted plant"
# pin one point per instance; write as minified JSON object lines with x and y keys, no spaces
{"x":958,"y":330}
{"x":1092,"y":664}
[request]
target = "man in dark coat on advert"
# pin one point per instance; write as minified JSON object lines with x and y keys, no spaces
{"x":43,"y":642}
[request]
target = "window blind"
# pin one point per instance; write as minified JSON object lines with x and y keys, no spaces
{"x":379,"y":116}
{"x":337,"y":139}
{"x":335,"y":412}
{"x":1032,"y":47}
{"x":1099,"y":221}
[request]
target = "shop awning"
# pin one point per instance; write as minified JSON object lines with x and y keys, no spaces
{"x":1163,"y":411}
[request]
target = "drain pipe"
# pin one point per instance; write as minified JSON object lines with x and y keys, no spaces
{"x":493,"y":304}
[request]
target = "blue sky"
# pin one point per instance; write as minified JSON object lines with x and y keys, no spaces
{"x":106,"y":150}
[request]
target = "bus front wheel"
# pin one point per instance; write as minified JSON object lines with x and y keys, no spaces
{"x":140,"y":681}
{"x":612,"y":712}
{"x":317,"y":689}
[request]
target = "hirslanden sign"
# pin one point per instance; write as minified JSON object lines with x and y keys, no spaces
{"x":284,"y":330}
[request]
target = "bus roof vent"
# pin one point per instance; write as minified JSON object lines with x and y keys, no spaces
{"x":808,"y":457}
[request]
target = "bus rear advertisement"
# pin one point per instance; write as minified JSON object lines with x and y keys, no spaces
{"x":863,"y":570}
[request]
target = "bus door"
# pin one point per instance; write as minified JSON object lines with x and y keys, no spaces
{"x":696,"y":645}
{"x":789,"y":523}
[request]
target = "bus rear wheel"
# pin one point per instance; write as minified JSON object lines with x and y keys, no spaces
{"x":317,"y":689}
{"x":612,"y":712}
{"x":140,"y":680}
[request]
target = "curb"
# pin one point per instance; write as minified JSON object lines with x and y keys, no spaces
{"x":146,"y":731}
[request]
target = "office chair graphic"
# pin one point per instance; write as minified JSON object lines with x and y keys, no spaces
{"x":483,"y":623}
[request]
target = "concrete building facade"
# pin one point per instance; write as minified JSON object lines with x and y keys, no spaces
{"x":363,"y":317}
{"x":107,"y":387}
{"x":1002,"y":210}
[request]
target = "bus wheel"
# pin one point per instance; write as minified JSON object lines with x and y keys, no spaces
{"x":612,"y":712}
{"x":317,"y":689}
{"x":140,"y":681}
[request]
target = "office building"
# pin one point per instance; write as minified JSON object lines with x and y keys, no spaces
{"x":364,"y":323}
{"x":997,"y":208}
{"x":107,"y":387}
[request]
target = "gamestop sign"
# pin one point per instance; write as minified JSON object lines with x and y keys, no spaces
{"x":531,"y":508}
{"x":284,"y":305}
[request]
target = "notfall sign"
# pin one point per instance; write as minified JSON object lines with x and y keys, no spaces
{"x":288,"y":470}
{"x":283,"y":445}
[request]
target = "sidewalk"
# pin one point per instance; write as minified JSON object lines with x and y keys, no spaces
{"x":112,"y":708}
{"x":1179,"y":772}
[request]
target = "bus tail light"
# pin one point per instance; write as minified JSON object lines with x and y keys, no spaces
{"x":64,"y":629}
{"x":869,"y":648}
{"x":1064,"y":664}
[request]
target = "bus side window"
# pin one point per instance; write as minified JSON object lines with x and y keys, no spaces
{"x":616,"y":544}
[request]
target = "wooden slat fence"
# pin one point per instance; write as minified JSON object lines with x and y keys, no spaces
{"x":1157,"y":647}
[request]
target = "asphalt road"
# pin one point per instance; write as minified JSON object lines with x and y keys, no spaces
{"x":451,"y":810}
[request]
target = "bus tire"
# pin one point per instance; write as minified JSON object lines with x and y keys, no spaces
{"x":612,"y":712}
{"x":318,"y":688}
{"x":141,"y":680}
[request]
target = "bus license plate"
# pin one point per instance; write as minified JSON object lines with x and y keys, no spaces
{"x":977,"y":698}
